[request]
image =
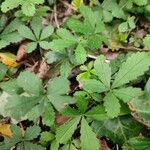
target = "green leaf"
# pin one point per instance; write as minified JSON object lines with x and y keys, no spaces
{"x":137,"y":144}
{"x":19,"y":106}
{"x":49,"y":116}
{"x":3,"y":72}
{"x":134,"y":67}
{"x":46,"y":137}
{"x":103,"y":71}
{"x":60,"y":44}
{"x":80,"y":54}
{"x":107,"y":16}
{"x":123,"y":27}
{"x":70,"y":112}
{"x":82,"y":100}
{"x":52,"y":57}
{"x":147,"y":89}
{"x":36,"y":25}
{"x":26,"y":32}
{"x":97,"y":113}
{"x":44,"y":44}
{"x":76,"y":25}
{"x":92,"y":85}
{"x":32,"y":132}
{"x":77,"y":3}
{"x":146,"y":41}
{"x":119,"y":130}
{"x":112,"y":105}
{"x":141,"y":110}
{"x":65,"y":131}
{"x":60,"y":101}
{"x":88,"y":14}
{"x":94,"y":41}
{"x":29,"y":146}
{"x":88,"y":137}
{"x":65,"y":69}
{"x":31,"y":47}
{"x":140,"y":2}
{"x":127,"y":94}
{"x":9,"y":4}
{"x":11,"y":87}
{"x":30,"y":83}
{"x":47,"y":32}
{"x":28,"y":8}
{"x":65,"y":34}
{"x":58,"y":86}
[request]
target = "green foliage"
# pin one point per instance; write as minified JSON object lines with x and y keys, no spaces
{"x":119,"y":130}
{"x":27,"y":7}
{"x":85,"y":96}
{"x":72,"y":47}
{"x":37,"y":35}
{"x":9,"y":33}
{"x":88,"y":137}
{"x":129,"y":71}
{"x":22,"y":141}
{"x":137,"y":144}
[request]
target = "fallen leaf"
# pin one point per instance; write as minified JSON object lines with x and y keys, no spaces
{"x":43,"y":70}
{"x":21,"y":54}
{"x":61,"y":119}
{"x":5,"y":130}
{"x":8,"y":59}
{"x":104,"y":145}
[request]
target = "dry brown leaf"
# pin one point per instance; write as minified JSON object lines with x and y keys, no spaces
{"x":43,"y":70}
{"x":61,"y":119}
{"x":21,"y":54}
{"x":104,"y":145}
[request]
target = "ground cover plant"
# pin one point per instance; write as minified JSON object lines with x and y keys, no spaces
{"x":74,"y":75}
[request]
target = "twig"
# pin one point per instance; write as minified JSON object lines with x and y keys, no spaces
{"x":133,"y":48}
{"x":55,"y":17}
{"x":92,"y":56}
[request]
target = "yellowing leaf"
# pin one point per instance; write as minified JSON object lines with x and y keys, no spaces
{"x":8,"y":59}
{"x":5,"y":130}
{"x":77,"y":4}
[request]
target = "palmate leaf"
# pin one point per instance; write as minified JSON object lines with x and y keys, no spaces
{"x":119,"y":130}
{"x":64,"y":132}
{"x":103,"y":71}
{"x":88,"y":137}
{"x":134,"y":67}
